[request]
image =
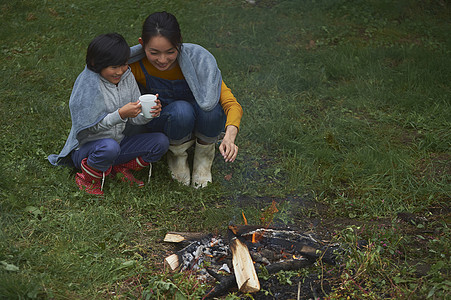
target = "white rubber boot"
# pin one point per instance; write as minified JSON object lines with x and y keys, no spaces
{"x":203,"y":159}
{"x":178,"y":162}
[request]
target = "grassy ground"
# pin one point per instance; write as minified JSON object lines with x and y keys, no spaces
{"x":347,"y":104}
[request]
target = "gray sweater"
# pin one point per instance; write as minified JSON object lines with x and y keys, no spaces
{"x":112,"y":126}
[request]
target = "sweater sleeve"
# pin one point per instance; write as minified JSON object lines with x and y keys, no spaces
{"x":108,"y":122}
{"x":232,"y":108}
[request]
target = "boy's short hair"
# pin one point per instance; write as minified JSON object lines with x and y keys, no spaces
{"x":106,"y":50}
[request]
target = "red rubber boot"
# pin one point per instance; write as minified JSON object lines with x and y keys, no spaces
{"x":135,"y":165}
{"x":91,"y":180}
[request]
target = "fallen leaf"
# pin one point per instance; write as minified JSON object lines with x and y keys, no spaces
{"x":9,"y":267}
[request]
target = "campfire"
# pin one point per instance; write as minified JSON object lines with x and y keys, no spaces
{"x":236,"y":260}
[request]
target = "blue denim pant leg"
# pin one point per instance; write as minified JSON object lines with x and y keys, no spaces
{"x":176,"y":120}
{"x":150,"y":146}
{"x":104,"y":153}
{"x":101,"y":154}
{"x":209,"y":124}
{"x":180,"y":119}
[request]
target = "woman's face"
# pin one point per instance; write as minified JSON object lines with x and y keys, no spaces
{"x":160,"y":52}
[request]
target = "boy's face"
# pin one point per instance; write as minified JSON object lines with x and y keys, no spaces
{"x":113,"y":73}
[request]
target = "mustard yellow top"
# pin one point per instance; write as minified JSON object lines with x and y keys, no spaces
{"x":232,"y":108}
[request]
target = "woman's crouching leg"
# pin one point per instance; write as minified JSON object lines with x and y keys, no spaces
{"x":209,"y":126}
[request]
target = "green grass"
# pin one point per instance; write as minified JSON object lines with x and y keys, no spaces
{"x":347,"y":101}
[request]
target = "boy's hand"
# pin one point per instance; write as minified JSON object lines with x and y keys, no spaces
{"x":130,"y":110}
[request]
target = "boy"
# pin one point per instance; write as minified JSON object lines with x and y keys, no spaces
{"x":103,"y":101}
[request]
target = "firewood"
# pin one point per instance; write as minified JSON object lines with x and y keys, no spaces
{"x":239,"y":230}
{"x":289,"y":265}
{"x":172,"y":261}
{"x":226,"y":283}
{"x":312,"y":252}
{"x":246,"y":276}
{"x":177,"y":237}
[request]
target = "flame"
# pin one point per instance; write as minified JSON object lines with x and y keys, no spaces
{"x":297,"y":257}
{"x":256,"y":237}
{"x":244,"y":218}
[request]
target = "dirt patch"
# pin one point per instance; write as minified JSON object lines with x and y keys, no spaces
{"x":309,"y":287}
{"x":300,"y":212}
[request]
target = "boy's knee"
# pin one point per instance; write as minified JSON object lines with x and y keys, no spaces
{"x":109,"y":148}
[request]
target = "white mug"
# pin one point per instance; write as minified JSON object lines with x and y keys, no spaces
{"x":147,"y":102}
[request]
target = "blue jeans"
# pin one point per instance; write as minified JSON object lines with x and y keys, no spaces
{"x":179,"y":120}
{"x":105,"y":153}
{"x":181,"y":117}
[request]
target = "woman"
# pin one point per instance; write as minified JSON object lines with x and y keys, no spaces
{"x":197,"y":105}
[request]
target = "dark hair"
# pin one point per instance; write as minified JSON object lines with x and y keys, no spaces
{"x":162,"y":24}
{"x":106,"y":50}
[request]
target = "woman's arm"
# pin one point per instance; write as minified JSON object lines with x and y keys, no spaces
{"x":234,"y":112}
{"x":232,"y":108}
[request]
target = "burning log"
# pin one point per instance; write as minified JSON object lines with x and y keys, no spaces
{"x":287,"y":240}
{"x":243,"y":266}
{"x":239,"y":230}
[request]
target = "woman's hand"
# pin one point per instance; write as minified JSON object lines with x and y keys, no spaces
{"x":228,"y":148}
{"x":130,"y":110}
{"x":157,"y":108}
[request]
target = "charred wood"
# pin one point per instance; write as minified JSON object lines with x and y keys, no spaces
{"x":289,"y":265}
{"x":226,"y":284}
